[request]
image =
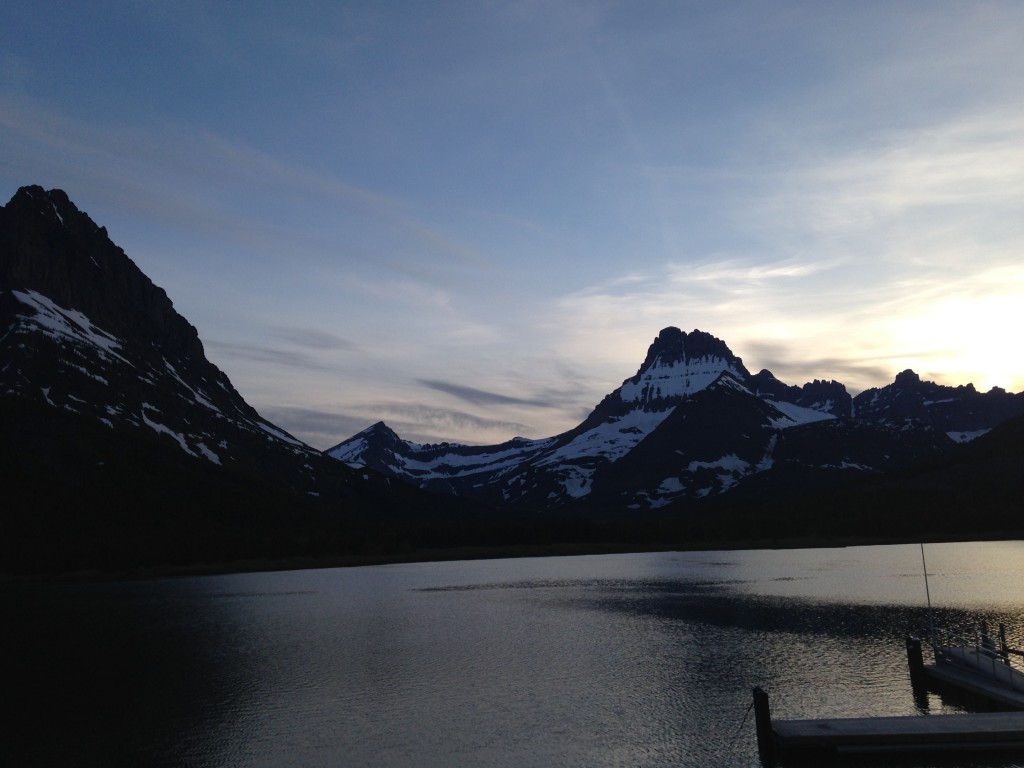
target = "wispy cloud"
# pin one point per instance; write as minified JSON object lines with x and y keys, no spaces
{"x":780,"y":360}
{"x":952,"y":328}
{"x":902,"y":250}
{"x":424,"y":422}
{"x":321,"y":428}
{"x":480,"y":396}
{"x":912,"y":184}
{"x":288,"y":357}
{"x":329,"y":424}
{"x":313,"y":338}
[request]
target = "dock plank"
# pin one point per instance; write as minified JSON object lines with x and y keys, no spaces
{"x":990,"y":729}
{"x":896,"y":734}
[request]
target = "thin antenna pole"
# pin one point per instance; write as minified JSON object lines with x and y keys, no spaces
{"x":928,"y":594}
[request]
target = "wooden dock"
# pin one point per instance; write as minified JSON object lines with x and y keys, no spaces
{"x":915,"y":733}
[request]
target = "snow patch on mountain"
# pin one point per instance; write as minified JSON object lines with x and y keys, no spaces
{"x":966,"y":437}
{"x":280,"y":434}
{"x":793,"y":415}
{"x":163,"y":430}
{"x":576,"y":481}
{"x":198,"y":397}
{"x":768,"y":460}
{"x":352,"y":452}
{"x":612,"y":439}
{"x":464,"y":461}
{"x":207,"y":453}
{"x":675,"y":378}
{"x":60,"y":323}
{"x":731,"y":463}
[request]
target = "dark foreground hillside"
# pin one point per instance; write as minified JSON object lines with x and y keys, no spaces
{"x":80,"y":497}
{"x":976,"y":491}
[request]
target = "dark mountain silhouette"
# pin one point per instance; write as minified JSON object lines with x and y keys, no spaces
{"x":123,"y":444}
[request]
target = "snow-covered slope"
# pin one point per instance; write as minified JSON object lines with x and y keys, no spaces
{"x":91,"y":371}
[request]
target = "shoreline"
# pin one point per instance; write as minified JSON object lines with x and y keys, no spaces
{"x":302,"y":562}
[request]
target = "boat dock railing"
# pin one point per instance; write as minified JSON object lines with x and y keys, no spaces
{"x":981,"y":652}
{"x":980,"y":641}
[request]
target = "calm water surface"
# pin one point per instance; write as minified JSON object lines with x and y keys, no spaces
{"x":613,"y":660}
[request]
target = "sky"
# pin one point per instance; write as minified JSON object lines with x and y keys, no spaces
{"x":471,"y":219}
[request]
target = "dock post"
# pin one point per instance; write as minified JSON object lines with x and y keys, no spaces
{"x":763,"y":722}
{"x":918,"y":678}
{"x":915,"y":659}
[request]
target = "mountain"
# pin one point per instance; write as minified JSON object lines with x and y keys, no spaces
{"x":973,"y":490}
{"x":961,"y":412}
{"x":828,"y":396}
{"x":122,"y":442}
{"x":88,"y":333}
{"x":693,"y":424}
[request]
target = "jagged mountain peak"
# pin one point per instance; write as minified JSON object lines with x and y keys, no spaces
{"x":677,"y":365}
{"x":381,"y":432}
{"x":121,"y":443}
{"x":907,"y":379}
{"x":53,"y":203}
{"x":378,"y":435}
{"x":673,"y":345}
{"x":52,"y":247}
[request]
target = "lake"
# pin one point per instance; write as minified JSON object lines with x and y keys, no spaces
{"x":610,"y":660}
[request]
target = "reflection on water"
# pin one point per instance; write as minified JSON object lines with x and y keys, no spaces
{"x":587,"y":661}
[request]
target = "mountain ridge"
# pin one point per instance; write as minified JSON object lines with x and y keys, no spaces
{"x":692,"y":423}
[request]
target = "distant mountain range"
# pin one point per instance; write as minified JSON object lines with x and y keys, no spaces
{"x":122,"y":444}
{"x":693,"y":423}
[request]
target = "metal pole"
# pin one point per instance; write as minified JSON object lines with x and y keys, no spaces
{"x":928,"y":594}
